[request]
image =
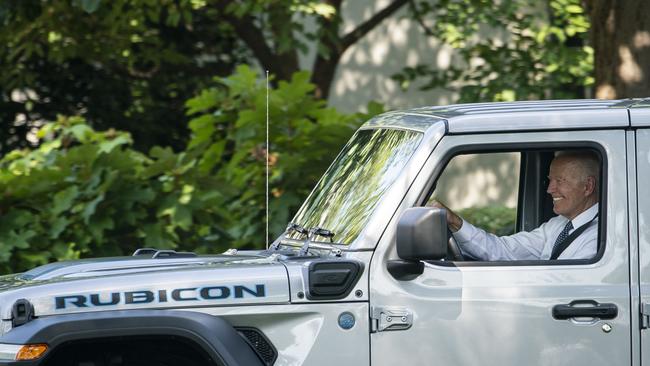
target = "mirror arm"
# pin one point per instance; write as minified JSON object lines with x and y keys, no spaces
{"x":405,"y":270}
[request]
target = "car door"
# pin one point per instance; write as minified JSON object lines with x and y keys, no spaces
{"x":502,"y":313}
{"x":643,"y":207}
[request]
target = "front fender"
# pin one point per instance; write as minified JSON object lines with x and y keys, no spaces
{"x":213,"y":334}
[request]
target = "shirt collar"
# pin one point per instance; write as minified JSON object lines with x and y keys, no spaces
{"x":586,"y":216}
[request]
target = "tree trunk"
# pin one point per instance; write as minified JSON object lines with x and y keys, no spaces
{"x":620,"y":35}
{"x":324,"y":67}
{"x":283,"y":63}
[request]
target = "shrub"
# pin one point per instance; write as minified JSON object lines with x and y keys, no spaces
{"x":499,"y":220}
{"x":87,"y":193}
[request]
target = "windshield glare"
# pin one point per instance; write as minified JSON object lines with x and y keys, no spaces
{"x":349,"y":191}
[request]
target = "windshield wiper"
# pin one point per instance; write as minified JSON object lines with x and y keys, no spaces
{"x":291,"y":228}
{"x":313,"y":233}
{"x":310,"y":235}
{"x":297,"y":228}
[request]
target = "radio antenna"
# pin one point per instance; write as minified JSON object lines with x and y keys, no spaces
{"x":267,"y":159}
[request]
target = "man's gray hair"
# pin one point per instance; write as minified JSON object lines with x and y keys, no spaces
{"x":589,"y":160}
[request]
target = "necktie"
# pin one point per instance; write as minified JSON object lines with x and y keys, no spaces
{"x":563,"y":235}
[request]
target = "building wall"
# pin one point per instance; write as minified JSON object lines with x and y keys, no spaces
{"x":479,"y":180}
{"x":364,"y":74}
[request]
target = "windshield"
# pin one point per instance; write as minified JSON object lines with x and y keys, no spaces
{"x":347,"y":194}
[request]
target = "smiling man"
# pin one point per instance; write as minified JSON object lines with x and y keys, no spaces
{"x":573,"y":186}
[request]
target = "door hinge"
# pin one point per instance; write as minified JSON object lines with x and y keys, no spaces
{"x":390,"y":318}
{"x":645,"y":315}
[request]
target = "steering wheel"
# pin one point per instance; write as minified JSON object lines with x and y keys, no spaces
{"x":453,"y":250}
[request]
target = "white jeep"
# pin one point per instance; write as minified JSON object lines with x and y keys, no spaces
{"x":366,"y":275}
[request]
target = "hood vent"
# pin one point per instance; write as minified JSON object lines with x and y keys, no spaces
{"x":332,"y":280}
{"x":162,"y":253}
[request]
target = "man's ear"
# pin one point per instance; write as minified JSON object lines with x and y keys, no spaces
{"x":590,"y":185}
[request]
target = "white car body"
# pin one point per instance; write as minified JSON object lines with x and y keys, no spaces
{"x":474,"y":313}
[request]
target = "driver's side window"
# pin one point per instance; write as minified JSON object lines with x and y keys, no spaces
{"x":483,"y":188}
{"x":524,"y":206}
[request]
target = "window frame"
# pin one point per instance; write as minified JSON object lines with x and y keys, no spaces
{"x":523,"y":147}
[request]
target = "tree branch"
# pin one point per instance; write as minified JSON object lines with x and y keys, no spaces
{"x":325,"y":65}
{"x":419,"y":20}
{"x":360,"y":31}
{"x":252,"y":36}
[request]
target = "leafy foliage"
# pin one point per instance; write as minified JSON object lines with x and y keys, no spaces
{"x":125,"y":64}
{"x":86,"y":193}
{"x":131,"y":64}
{"x":499,"y":220}
{"x":278,"y":32}
{"x":507,"y":50}
{"x":228,"y":139}
{"x":62,"y":199}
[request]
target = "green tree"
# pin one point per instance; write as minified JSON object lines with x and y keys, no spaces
{"x":88,"y":193}
{"x":126,"y":64}
{"x":228,"y":139}
{"x":506,"y":50}
{"x":276,"y":34}
{"x":131,"y":64}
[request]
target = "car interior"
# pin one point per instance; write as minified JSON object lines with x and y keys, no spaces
{"x":534,"y":205}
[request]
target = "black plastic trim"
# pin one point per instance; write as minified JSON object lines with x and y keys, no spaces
{"x":404,"y":270}
{"x":214,"y":335}
{"x":333,"y":291}
{"x":254,"y":346}
{"x":22,"y":312}
{"x":543,"y":130}
{"x":585,"y":309}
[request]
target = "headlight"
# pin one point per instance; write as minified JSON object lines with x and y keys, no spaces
{"x":21,"y":352}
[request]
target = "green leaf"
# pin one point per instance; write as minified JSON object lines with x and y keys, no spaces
{"x":242,"y":81}
{"x":155,"y":237}
{"x":212,"y":156}
{"x":97,"y":226}
{"x":47,"y":129}
{"x":59,"y":224}
{"x":205,"y":100}
{"x":186,"y":194}
{"x":20,"y":239}
{"x":63,"y":200}
{"x":82,"y":132}
{"x":16,"y":219}
{"x":574,"y":9}
{"x":90,"y":208}
{"x":182,"y":217}
{"x":203,"y":128}
{"x":107,"y":146}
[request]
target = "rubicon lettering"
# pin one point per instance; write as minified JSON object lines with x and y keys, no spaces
{"x":184,"y":294}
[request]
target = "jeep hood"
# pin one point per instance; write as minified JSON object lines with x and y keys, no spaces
{"x":132,"y":283}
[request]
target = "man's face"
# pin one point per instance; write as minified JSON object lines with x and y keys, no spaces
{"x":570,"y":188}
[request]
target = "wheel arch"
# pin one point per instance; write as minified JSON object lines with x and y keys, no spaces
{"x":212,"y":334}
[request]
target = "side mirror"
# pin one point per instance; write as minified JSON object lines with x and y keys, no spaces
{"x":422,"y":234}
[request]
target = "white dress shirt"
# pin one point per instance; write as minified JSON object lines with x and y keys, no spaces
{"x":536,"y":244}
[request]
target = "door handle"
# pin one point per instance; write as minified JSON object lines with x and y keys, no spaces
{"x":585,"y":309}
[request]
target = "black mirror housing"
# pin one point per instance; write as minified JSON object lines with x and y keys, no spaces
{"x":422,"y":234}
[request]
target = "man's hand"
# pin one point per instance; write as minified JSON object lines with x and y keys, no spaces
{"x":453,"y":221}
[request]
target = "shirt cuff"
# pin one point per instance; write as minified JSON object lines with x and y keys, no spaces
{"x":465,"y":231}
